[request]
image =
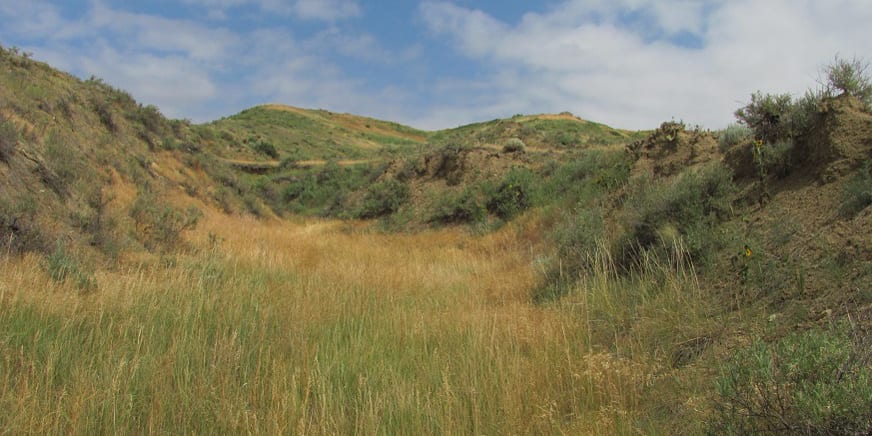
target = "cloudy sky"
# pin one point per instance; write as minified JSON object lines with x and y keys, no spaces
{"x":440,"y":63}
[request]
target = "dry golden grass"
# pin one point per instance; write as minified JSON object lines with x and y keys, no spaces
{"x":321,"y":327}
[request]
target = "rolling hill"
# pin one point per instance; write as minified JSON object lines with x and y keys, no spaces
{"x":288,"y":270}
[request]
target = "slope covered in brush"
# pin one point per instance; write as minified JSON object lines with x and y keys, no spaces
{"x":285,"y":132}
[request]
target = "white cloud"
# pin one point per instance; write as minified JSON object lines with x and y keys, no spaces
{"x":325,"y":10}
{"x":611,"y":61}
{"x":590,"y":56}
{"x":194,"y":70}
{"x":328,"y":10}
{"x":144,"y":32}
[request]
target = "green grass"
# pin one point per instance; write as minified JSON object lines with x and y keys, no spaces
{"x":323,"y":190}
{"x":536,"y":132}
{"x":310,"y":134}
{"x":229,"y":341}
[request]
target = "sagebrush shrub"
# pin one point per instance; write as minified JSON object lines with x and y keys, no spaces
{"x":686,"y":208}
{"x":514,"y":145}
{"x":160,"y":226}
{"x":384,"y":198}
{"x":733,"y":135}
{"x":151,"y":118}
{"x":267,"y":149}
{"x":465,"y":207}
{"x":816,"y":382}
{"x":850,"y":76}
{"x":804,"y":111}
{"x":63,"y":164}
{"x":514,"y":195}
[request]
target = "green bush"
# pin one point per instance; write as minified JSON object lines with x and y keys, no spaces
{"x":591,"y":174}
{"x":324,"y":190}
{"x":773,"y":159}
{"x":160,"y":227}
{"x":816,"y":382}
{"x":150,"y":118}
{"x":9,"y":137}
{"x":514,"y":195}
{"x":578,"y":238}
{"x":514,"y":145}
{"x":254,"y":205}
{"x":265,"y":148}
{"x":733,"y":135}
{"x":768,"y":116}
{"x":687,"y":208}
{"x":383,"y":198}
{"x":858,"y":191}
{"x":804,"y":112}
{"x":850,"y":76}
{"x":465,"y":207}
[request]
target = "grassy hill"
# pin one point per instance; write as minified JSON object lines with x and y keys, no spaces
{"x":541,"y":274}
{"x":302,"y":134}
{"x":557,"y":131}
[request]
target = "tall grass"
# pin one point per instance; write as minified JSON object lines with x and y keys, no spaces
{"x":321,"y":328}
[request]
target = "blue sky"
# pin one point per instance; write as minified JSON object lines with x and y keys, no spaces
{"x":440,"y":63}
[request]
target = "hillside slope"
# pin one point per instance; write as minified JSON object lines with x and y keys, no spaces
{"x":303,"y":134}
{"x":84,"y":167}
{"x":541,"y":274}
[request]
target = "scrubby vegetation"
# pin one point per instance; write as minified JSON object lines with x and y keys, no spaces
{"x":8,"y":138}
{"x":383,"y":198}
{"x":294,"y":271}
{"x":857,"y":195}
{"x":814,"y":382}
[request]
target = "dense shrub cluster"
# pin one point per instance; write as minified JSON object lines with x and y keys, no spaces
{"x":768,"y":116}
{"x":159,"y":226}
{"x":324,"y":190}
{"x":775,"y":118}
{"x":466,"y":207}
{"x":151,"y":118}
{"x":265,"y":148}
{"x":656,"y":214}
{"x":733,"y":135}
{"x":62,"y":165}
{"x":383,"y":198}
{"x":514,"y":194}
{"x":817,"y":382}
